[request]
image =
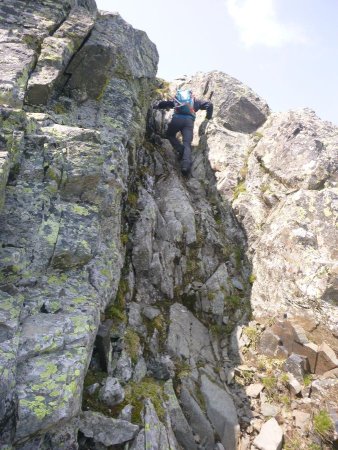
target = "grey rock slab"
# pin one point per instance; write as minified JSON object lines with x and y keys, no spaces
{"x":301,"y":276}
{"x":253,"y":390}
{"x":105,"y":430}
{"x":179,"y":423}
{"x":126,"y":413}
{"x":294,"y":384}
{"x":62,"y":217}
{"x":143,"y":234}
{"x":269,"y":410}
{"x":197,"y":419}
{"x":56,"y":52}
{"x":111,"y":392}
{"x":140,"y":370}
{"x":139,"y":442}
{"x":135,"y":318}
{"x":326,"y":360}
{"x":323,"y":388}
{"x":214,"y":291}
{"x":297,"y":365}
{"x":113,"y":46}
{"x":150,"y":312}
{"x":219,"y":446}
{"x":304,"y":142}
{"x":49,"y":389}
{"x":221,"y":412}
{"x":330,"y":374}
{"x":63,"y":437}
{"x":17,"y":59}
{"x":23,"y":30}
{"x":270,"y":436}
{"x":302,"y":420}
{"x":124,"y":368}
{"x":188,"y":338}
{"x":154,"y":430}
{"x":161,"y":367}
{"x":172,"y":441}
{"x":176,"y":210}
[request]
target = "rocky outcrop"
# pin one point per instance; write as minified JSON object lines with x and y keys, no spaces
{"x":281,"y":180}
{"x":67,"y":167}
{"x":125,"y":288}
{"x":287,"y":206}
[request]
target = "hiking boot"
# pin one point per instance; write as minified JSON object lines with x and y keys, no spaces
{"x":185,"y":167}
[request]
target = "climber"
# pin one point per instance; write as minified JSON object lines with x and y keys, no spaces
{"x":186,"y":106}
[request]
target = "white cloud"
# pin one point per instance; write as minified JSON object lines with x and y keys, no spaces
{"x":257,"y":23}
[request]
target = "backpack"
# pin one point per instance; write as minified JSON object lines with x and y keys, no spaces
{"x":184,"y":102}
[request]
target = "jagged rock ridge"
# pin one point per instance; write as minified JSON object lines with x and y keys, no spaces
{"x":115,"y":268}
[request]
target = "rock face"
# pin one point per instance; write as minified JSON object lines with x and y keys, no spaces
{"x":288,"y":208}
{"x":66,"y":169}
{"x":123,"y":285}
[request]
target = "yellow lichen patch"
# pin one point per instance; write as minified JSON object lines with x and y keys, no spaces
{"x":38,"y":406}
{"x":50,"y":230}
{"x":80,"y":210}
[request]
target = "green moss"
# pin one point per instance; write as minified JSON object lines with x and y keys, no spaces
{"x":245,"y":377}
{"x":239,"y":189}
{"x":116,"y":313}
{"x":124,"y":238}
{"x":270,"y":384}
{"x":132,"y":199}
{"x":59,"y":108}
{"x":233,"y":302}
{"x":323,"y":425}
{"x":284,"y":378}
{"x":284,"y":399}
{"x":136,"y":393}
{"x":239,"y":255}
{"x":182,"y":369}
{"x":307,"y":379}
{"x":159,"y":323}
{"x":132,"y":344}
{"x":253,"y":334}
{"x":313,"y":446}
{"x":211,"y":296}
{"x":103,"y":89}
{"x":252,"y":278}
{"x":216,"y":329}
{"x":295,"y":443}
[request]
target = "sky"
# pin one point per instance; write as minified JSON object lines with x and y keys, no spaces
{"x":285,"y":50}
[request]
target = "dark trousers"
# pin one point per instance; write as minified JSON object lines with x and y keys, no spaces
{"x":185,"y":125}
